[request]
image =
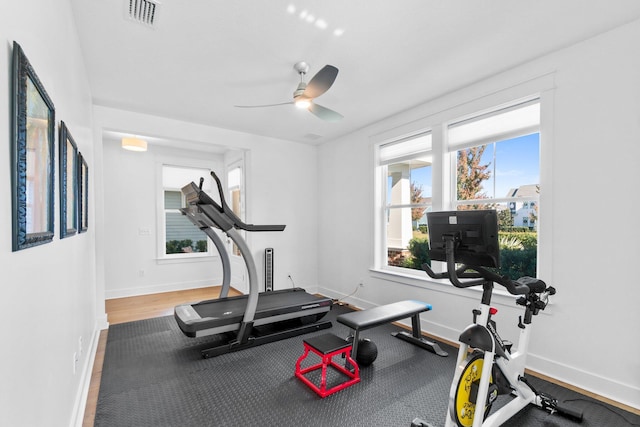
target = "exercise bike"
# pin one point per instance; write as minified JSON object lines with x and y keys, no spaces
{"x":487,"y":366}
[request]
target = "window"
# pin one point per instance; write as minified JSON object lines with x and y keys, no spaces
{"x":497,"y":157}
{"x":405,"y":167}
{"x":181,"y":237}
{"x":235,"y":196}
{"x":490,"y":160}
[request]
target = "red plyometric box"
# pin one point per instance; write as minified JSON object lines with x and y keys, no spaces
{"x":327,"y":346}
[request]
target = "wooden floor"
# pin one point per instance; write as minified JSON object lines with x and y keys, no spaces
{"x":122,"y":310}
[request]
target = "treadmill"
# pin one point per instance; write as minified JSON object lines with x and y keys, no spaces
{"x":246,"y":320}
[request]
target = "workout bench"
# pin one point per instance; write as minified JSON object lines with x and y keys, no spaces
{"x":366,"y":319}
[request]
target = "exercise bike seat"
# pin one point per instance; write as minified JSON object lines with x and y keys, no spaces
{"x":534,"y":285}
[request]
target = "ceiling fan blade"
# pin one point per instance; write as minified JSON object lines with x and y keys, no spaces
{"x":321,"y":82}
{"x":260,"y":106}
{"x":324,"y":113}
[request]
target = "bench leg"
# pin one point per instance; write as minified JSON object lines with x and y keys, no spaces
{"x":354,"y":351}
{"x":415,"y":326}
{"x":416,"y":337}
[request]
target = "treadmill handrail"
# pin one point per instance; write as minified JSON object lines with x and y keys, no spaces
{"x":224,"y":218}
{"x":252,"y":300}
{"x":238,"y":223}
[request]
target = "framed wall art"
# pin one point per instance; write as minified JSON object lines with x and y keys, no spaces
{"x":68,"y":183}
{"x":83,"y":186}
{"x":32,"y":156}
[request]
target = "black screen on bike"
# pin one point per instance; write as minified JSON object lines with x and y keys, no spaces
{"x":475,"y":233}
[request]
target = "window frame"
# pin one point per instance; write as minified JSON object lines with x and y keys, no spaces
{"x":382,"y":180}
{"x":444,"y":185}
{"x":162,"y":256}
{"x":239,"y":165}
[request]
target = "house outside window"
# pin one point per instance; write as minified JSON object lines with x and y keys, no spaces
{"x":181,"y":239}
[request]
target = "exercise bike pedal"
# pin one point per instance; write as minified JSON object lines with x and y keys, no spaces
{"x":551,"y":404}
{"x":417,"y":422}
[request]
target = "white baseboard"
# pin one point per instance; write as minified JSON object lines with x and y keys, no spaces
{"x":155,"y":289}
{"x":627,"y":394}
{"x":80,"y":402}
{"x":102,"y":322}
{"x":345,"y":298}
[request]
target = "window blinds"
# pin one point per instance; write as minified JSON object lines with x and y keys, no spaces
{"x":406,"y":148}
{"x":506,"y":123}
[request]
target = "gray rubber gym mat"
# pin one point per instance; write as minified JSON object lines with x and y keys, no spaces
{"x":154,"y":376}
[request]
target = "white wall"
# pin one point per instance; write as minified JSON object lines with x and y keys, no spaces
{"x":280,"y":189}
{"x":47,"y":292}
{"x":131,"y":185}
{"x":587,"y":337}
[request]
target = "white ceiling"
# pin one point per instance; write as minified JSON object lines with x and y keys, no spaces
{"x":205,"y":56}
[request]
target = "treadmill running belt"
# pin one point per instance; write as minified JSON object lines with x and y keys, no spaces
{"x":229,"y":311}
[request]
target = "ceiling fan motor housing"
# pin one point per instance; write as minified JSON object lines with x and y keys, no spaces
{"x":300,"y":90}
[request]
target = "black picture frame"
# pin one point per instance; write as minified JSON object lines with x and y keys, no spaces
{"x":68,"y":159}
{"x":83,"y":196}
{"x":32,"y":156}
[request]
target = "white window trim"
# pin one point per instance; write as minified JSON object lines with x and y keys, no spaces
{"x":380,"y":203}
{"x":240,"y":164}
{"x":542,"y":88}
{"x":162,"y":257}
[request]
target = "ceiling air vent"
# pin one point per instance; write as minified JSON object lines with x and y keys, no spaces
{"x":143,"y":11}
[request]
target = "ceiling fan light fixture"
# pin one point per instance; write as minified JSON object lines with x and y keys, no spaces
{"x":306,"y":93}
{"x":134,"y":144}
{"x":303,"y":103}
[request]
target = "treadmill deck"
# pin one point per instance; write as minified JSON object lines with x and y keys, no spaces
{"x":225,"y":314}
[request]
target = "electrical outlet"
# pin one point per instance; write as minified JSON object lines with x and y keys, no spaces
{"x":75,"y":362}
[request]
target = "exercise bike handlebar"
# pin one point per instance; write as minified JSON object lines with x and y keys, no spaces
{"x":478,"y":275}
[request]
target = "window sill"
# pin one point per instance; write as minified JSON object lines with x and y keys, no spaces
{"x":186,"y":259}
{"x":406,"y":276}
{"x":400,"y":276}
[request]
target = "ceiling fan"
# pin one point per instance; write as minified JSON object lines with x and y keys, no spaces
{"x":304,"y":95}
